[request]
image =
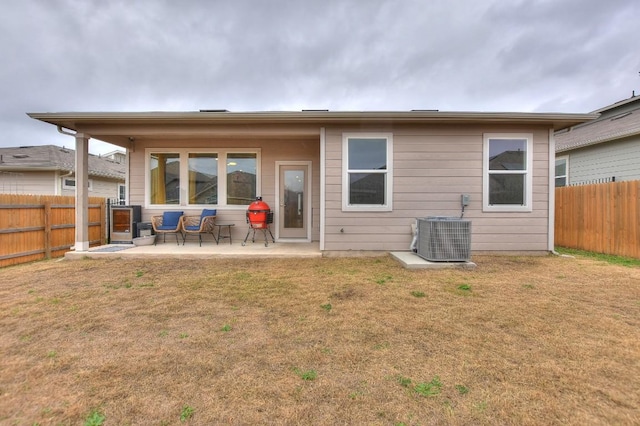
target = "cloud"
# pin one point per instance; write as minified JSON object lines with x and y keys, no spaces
{"x":92,"y":55}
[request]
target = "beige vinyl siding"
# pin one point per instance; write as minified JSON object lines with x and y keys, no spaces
{"x":49,"y":182}
{"x":616,"y":158}
{"x":28,"y":182}
{"x":433,"y":166}
{"x":99,"y":188}
{"x":105,"y":188}
{"x":271,"y":150}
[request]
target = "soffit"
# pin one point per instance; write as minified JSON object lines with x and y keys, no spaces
{"x":121,"y":127}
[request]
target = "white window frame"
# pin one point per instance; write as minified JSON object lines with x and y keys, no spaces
{"x":184,"y":175}
{"x":566,"y":170}
{"x":528,"y":174}
{"x":122,"y":188}
{"x":73,"y":187}
{"x":388,"y":206}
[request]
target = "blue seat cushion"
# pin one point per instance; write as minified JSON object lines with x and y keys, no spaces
{"x":207,"y":212}
{"x":170,"y":220}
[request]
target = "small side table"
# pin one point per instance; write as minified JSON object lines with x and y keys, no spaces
{"x":220,"y":226}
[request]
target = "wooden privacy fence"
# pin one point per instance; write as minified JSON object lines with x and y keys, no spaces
{"x":34,"y":227}
{"x":603,"y":218}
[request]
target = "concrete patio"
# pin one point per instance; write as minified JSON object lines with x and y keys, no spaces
{"x":211,"y":250}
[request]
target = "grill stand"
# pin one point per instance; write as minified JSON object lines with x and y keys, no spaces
{"x":253,"y":237}
{"x":260,"y":226}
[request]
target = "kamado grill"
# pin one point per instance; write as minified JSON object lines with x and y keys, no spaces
{"x":259,"y":217}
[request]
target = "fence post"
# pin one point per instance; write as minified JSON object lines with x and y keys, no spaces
{"x":103,"y":215}
{"x":47,"y":229}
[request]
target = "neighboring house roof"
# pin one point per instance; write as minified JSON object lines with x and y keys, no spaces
{"x":52,"y":157}
{"x":508,"y":160}
{"x":616,"y":121}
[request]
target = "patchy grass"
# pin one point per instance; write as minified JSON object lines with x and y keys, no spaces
{"x":609,"y":258}
{"x":538,"y":340}
{"x":306,"y":374}
{"x":326,"y":307}
{"x":187,"y":413}
{"x":95,"y":418}
{"x":432,"y":388}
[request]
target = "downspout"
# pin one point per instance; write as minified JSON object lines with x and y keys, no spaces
{"x":552,"y":193}
{"x":60,"y":184}
{"x":65,"y":133}
{"x":71,"y":172}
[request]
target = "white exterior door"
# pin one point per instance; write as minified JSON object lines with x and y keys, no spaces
{"x":294,"y":201}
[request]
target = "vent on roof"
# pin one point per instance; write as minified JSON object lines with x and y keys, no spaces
{"x":20,"y":156}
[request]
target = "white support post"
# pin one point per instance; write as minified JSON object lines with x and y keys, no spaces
{"x":82,"y":192}
{"x":552,"y":192}
{"x":323,"y":182}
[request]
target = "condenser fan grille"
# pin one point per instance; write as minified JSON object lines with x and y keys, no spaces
{"x":444,"y":239}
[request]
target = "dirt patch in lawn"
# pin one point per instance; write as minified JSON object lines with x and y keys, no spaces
{"x":540,"y":340}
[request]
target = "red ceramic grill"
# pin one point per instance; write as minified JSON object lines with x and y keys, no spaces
{"x":259,"y":217}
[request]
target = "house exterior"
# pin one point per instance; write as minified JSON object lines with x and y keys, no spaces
{"x":601,"y":150}
{"x":50,"y":170}
{"x":353,"y":181}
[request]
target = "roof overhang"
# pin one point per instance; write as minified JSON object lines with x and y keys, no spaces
{"x":30,"y":168}
{"x":121,"y":128}
{"x":596,"y":141}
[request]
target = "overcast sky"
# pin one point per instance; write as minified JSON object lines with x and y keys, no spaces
{"x":344,"y":55}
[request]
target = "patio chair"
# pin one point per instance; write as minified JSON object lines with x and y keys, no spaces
{"x":198,"y":225}
{"x":167,"y":223}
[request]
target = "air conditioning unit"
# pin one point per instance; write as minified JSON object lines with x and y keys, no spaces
{"x":444,"y":239}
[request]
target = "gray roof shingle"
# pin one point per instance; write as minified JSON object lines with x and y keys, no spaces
{"x":617,"y":121}
{"x":52,"y":157}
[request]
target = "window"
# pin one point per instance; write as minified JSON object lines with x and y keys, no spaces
{"x":165,"y":178}
{"x":122,"y":193}
{"x":367,"y":172}
{"x":562,"y":171}
{"x":508,"y":164}
{"x":70,"y":183}
{"x":241,"y":178}
{"x":202,"y":178}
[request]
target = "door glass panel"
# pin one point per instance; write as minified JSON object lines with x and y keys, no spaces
{"x":293,"y":198}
